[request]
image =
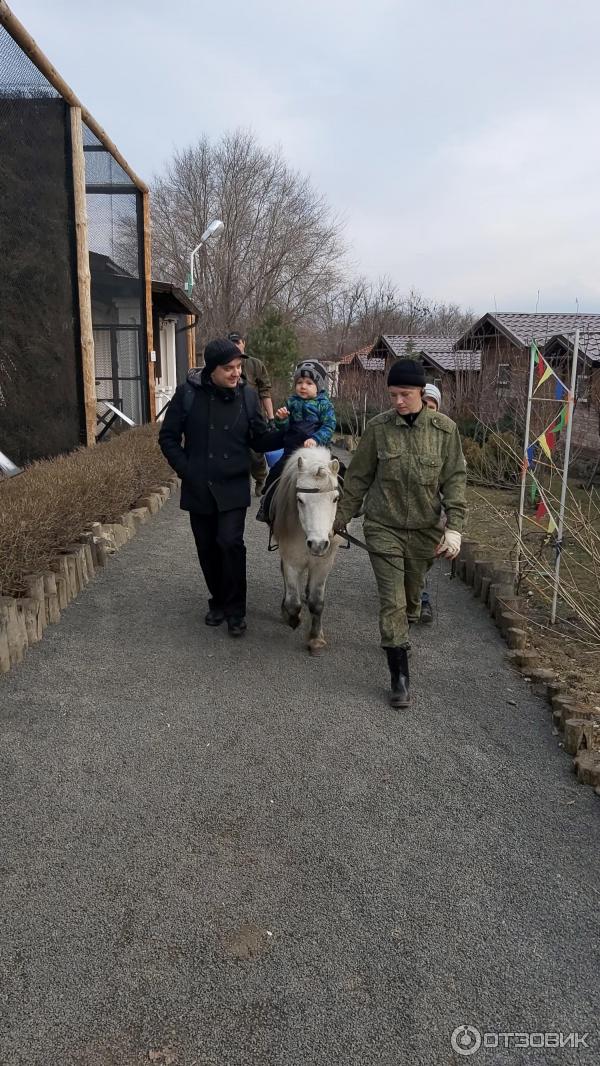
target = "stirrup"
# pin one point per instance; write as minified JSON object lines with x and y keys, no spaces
{"x":271,"y":547}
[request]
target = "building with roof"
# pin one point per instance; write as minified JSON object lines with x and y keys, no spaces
{"x":484,"y":372}
{"x":440,"y":359}
{"x":503,"y":341}
{"x":83,"y":323}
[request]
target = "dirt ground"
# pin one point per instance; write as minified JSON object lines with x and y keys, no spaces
{"x":569,"y":647}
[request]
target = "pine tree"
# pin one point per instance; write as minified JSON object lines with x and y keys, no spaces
{"x":275,"y":342}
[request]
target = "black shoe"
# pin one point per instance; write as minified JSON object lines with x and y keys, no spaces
{"x":214,"y":617}
{"x":426,"y":614}
{"x":236,"y":626}
{"x":398,"y":663}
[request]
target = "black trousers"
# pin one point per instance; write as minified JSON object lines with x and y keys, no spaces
{"x":222,"y":553}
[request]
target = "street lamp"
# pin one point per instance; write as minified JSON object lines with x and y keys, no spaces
{"x":212,"y":230}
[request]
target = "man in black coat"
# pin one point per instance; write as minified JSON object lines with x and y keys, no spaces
{"x":219,"y":418}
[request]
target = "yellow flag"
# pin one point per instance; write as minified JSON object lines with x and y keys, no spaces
{"x":547,"y":373}
{"x":543,"y":443}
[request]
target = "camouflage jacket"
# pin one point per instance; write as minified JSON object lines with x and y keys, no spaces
{"x":256,"y":374}
{"x":402,"y":469}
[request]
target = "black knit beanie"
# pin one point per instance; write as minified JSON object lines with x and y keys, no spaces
{"x":219,"y":353}
{"x":406,"y":374}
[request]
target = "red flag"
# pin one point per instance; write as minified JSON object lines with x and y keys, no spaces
{"x":551,"y":435}
{"x":540,"y":511}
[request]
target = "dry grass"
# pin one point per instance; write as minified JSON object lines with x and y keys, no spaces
{"x":52,"y":502}
{"x":571,"y":646}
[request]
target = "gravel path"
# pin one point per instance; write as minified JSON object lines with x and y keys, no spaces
{"x":228,"y":853}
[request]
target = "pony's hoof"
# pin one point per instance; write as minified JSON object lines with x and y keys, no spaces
{"x":316,"y":646}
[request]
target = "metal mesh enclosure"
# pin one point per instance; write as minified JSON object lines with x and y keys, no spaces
{"x":116,"y":264}
{"x":40,"y":390}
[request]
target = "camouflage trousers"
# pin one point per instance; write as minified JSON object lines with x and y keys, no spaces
{"x":400,"y":579}
{"x":258,"y":466}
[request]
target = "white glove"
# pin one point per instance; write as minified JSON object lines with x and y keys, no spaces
{"x":449,"y":545}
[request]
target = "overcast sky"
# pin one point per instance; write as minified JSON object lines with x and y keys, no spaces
{"x":459,"y":139}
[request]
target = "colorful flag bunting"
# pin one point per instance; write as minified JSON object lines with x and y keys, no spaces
{"x":547,"y":439}
{"x":531,"y":454}
{"x":543,"y":371}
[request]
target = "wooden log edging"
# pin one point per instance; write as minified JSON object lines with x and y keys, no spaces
{"x":493,"y":583}
{"x":24,"y":619}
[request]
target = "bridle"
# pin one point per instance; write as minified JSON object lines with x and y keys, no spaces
{"x":271,"y":547}
{"x":320,"y":492}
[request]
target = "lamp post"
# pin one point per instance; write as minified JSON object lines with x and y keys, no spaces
{"x":212,"y":230}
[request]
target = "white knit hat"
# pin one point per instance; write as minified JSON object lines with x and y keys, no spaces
{"x":434,"y":394}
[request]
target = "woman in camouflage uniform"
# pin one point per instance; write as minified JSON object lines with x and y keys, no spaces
{"x":406,"y":457}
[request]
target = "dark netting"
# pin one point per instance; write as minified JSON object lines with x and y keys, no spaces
{"x":116,"y":266}
{"x":41,"y":411}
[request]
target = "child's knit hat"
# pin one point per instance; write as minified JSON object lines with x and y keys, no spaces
{"x":314,"y":370}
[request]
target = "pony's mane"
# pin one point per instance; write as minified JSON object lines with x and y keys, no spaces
{"x":284,"y":505}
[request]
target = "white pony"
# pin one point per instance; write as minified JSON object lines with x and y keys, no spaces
{"x":303,"y":509}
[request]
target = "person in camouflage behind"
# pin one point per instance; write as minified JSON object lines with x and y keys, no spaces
{"x":255,"y":374}
{"x":406,"y":457}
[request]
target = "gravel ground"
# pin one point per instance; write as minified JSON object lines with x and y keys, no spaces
{"x":227,"y":852}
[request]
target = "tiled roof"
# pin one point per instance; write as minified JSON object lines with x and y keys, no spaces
{"x":439,"y":349}
{"x":541,"y":327}
{"x":589,"y":342}
{"x":345,"y":360}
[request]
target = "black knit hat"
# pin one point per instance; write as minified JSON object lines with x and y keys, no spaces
{"x":219,"y":353}
{"x":406,"y":374}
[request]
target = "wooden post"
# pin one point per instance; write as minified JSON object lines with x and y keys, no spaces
{"x":148,"y":284}
{"x":88,"y":365}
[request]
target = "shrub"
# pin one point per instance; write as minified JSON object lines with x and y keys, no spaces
{"x":495,"y":462}
{"x":53,"y":501}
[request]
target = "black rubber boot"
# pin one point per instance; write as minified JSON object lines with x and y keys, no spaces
{"x":398,"y":663}
{"x":426,"y":613}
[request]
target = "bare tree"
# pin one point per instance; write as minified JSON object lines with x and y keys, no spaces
{"x":281,"y":247}
{"x":355,"y":313}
